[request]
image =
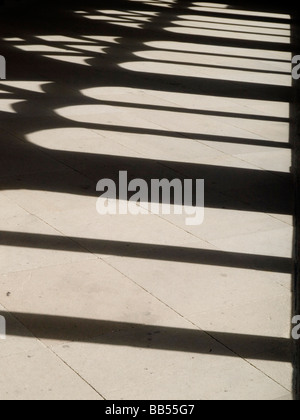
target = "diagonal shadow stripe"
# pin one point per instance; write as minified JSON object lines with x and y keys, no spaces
{"x":149,"y":336}
{"x":148,"y":251}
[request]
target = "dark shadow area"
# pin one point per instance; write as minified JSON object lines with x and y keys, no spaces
{"x":147,"y":251}
{"x":150,"y":336}
{"x":240,"y":189}
{"x":251,"y":188}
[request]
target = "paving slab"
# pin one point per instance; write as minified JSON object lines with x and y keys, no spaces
{"x":128,"y":372}
{"x":43,"y":376}
{"x":91,"y":290}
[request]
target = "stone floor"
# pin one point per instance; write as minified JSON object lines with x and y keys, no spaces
{"x":145,"y":307}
